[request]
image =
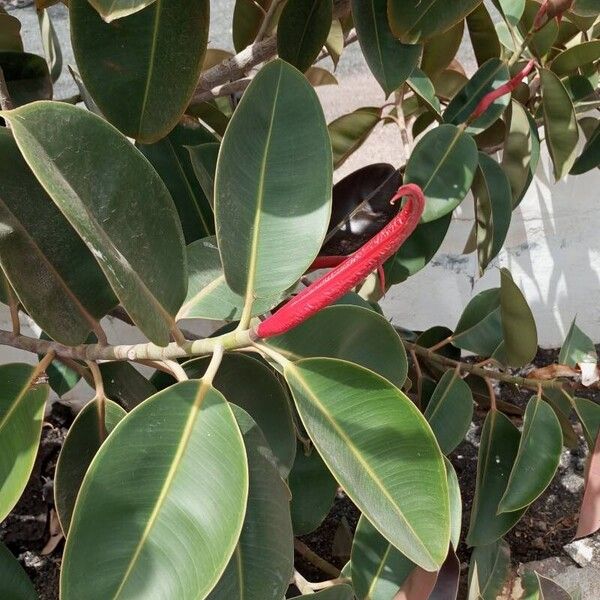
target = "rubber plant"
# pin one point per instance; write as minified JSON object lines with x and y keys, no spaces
{"x":188,"y":191}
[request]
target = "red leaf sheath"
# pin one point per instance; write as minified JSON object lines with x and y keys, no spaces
{"x":507,"y":88}
{"x":333,"y":285}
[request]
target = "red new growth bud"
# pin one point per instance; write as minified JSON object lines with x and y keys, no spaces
{"x":507,"y":88}
{"x":333,"y":285}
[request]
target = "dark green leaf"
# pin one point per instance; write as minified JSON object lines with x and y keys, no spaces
{"x":27,"y":77}
{"x":204,"y":162}
{"x":390,"y":61}
{"x":263,"y":561}
{"x":172,"y":462}
{"x":575,"y":57}
{"x":538,"y":457}
{"x":381,"y":431}
{"x":443,"y":164}
{"x":152,"y":60}
{"x":413,"y":20}
{"x":247,"y":20}
{"x":125,"y":384}
{"x":15,"y":582}
{"x":302,"y":31}
{"x":86,"y":435}
{"x":171,"y":160}
{"x":421,"y":85}
{"x":378,"y":569}
{"x":538,"y":587}
{"x":497,"y":453}
{"x":440,"y":50}
{"x":22,"y":403}
{"x":482,"y":32}
{"x":349,"y":333}
{"x":587,"y":8}
{"x":52,"y":272}
{"x":10,"y":33}
{"x":450,"y":411}
{"x":265,"y":400}
{"x":349,"y":132}
{"x":590,"y":156}
{"x":588,"y":412}
{"x":488,"y":570}
{"x":138,"y":244}
{"x":276,"y":146}
{"x":542,"y":42}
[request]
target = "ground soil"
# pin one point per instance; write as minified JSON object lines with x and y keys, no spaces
{"x":548,"y":525}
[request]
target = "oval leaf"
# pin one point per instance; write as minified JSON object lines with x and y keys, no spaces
{"x":351,"y":333}
{"x":10,"y":33}
{"x":22,"y":403}
{"x":86,"y":435}
{"x":52,"y":272}
{"x":573,"y":58}
{"x":390,"y":61}
{"x":443,"y":164}
{"x":537,"y":459}
{"x":349,"y":132}
{"x":488,"y":570}
{"x":138,"y":244}
{"x":450,"y":411}
{"x":172,"y":475}
{"x":267,"y":244}
{"x":204,"y":162}
{"x":346,"y":406}
{"x":590,"y":156}
{"x":310,"y":503}
{"x":302,"y":31}
{"x":497,"y":454}
{"x":152,"y":60}
{"x":16,"y":585}
{"x":263,"y":562}
{"x":27,"y":77}
{"x":414,"y":20}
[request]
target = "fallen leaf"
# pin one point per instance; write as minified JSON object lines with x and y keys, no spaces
{"x":56,"y":534}
{"x":553,"y":371}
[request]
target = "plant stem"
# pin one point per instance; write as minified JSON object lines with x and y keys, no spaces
{"x":312,"y":557}
{"x":480,"y":372}
{"x":100,"y":397}
{"x":267,"y":20}
{"x":13,"y":305}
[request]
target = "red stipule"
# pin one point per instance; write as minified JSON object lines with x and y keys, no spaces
{"x":551,"y":9}
{"x":329,"y":262}
{"x":507,"y":88}
{"x":351,"y":271}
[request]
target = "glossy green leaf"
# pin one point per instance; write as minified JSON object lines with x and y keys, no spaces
{"x":521,"y":152}
{"x":490,"y":76}
{"x":381,"y":431}
{"x":209,"y":296}
{"x":51,"y":44}
{"x":588,"y":412}
{"x":518,"y":324}
{"x":560,"y":123}
{"x":577,"y":348}
{"x":247,"y":20}
{"x":349,"y":333}
{"x":538,"y":457}
{"x":336,"y":592}
{"x":265,"y":400}
{"x":310,"y":503}
{"x":86,"y":435}
{"x":482,"y":32}
{"x":538,"y":587}
{"x":10,"y":33}
{"x":125,"y":384}
{"x":413,"y":20}
{"x":276,"y":146}
{"x":450,"y":411}
{"x":455,"y":504}
{"x":172,"y":162}
{"x":441,"y":49}
{"x":586,"y":8}
{"x":497,"y":454}
{"x":417,"y":251}
{"x":488,"y":570}
{"x":212,"y":114}
{"x":349,"y":132}
{"x":162,"y":504}
{"x":575,"y":57}
{"x":152,"y":60}
{"x":390,"y":61}
{"x":422,"y":86}
{"x":590,"y":156}
{"x":27,"y":77}
{"x":302,"y":31}
{"x":204,"y":162}
{"x":22,"y":403}
{"x":493,"y":202}
{"x":53,"y":274}
{"x":138,"y":244}
{"x":479,"y":329}
{"x":443,"y":164}
{"x":263,"y":562}
{"x":16,"y":585}
{"x":512,"y":10}
{"x":117,"y":9}
{"x":378,"y":569}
